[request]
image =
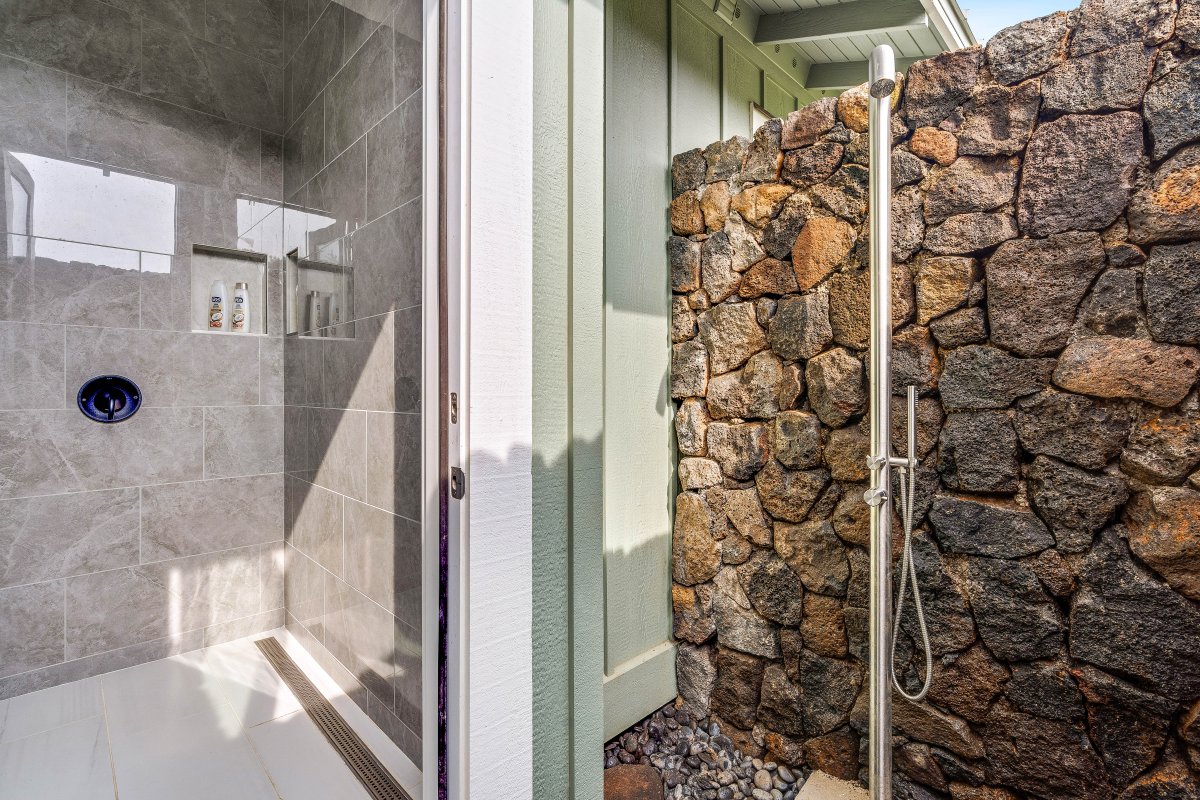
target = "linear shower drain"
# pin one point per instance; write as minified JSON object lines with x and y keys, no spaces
{"x":374,"y":777}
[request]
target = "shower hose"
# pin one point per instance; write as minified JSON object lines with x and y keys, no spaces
{"x":908,"y":572}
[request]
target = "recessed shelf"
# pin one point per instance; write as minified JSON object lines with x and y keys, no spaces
{"x":231,"y":267}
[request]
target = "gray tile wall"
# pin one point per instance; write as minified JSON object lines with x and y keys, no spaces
{"x":124,"y":543}
{"x":352,"y":175}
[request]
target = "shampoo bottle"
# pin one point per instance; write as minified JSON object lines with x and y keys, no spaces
{"x":314,"y":312}
{"x":216,"y":306}
{"x":240,"y":321}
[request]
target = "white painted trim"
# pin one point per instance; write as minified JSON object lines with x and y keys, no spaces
{"x":457,"y":244}
{"x":496,"y":136}
{"x":430,"y":388}
{"x":949,"y":23}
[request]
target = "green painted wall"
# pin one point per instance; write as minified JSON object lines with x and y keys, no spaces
{"x":620,"y":85}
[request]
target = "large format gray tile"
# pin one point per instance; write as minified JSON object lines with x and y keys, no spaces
{"x":87,"y":291}
{"x":303,"y":371}
{"x":386,"y":720}
{"x":360,"y":635}
{"x":251,"y":26}
{"x":127,"y":130}
{"x":118,"y":608}
{"x":31,"y":359}
{"x":337,"y":191}
{"x":172,"y":368}
{"x":363,"y":19}
{"x":359,"y":370}
{"x":383,"y":559}
{"x":386,"y":259}
{"x":243,"y":440}
{"x":303,"y":588}
{"x":360,"y":95}
{"x":33,"y":108}
{"x":394,"y":463}
{"x":394,"y":159}
{"x":49,"y":452}
{"x":270,"y":371}
{"x":184,"y":15}
{"x":407,"y":25}
{"x":194,"y":73}
{"x":166,"y":296}
{"x":32,"y":620}
{"x":338,"y":449}
{"x":56,"y":536}
{"x":408,"y":679}
{"x":246,"y":626}
{"x":67,"y":762}
{"x":304,"y":148}
{"x":83,"y":37}
{"x":410,"y":353}
{"x":314,"y":523}
{"x":101,"y":663}
{"x":315,"y":59}
{"x":183,"y":519}
{"x":16,"y":278}
{"x":204,"y":215}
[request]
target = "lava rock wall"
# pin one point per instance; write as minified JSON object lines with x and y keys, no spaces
{"x":1047,"y":305}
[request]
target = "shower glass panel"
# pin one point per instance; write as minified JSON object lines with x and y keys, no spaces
{"x":159,"y":160}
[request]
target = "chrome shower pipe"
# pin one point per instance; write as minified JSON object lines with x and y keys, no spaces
{"x":882,"y":82}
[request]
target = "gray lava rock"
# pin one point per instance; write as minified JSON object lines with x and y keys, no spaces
{"x":1164,"y":532}
{"x":1108,"y":23}
{"x":781,"y":707}
{"x":695,"y":554}
{"x":695,"y":674}
{"x":971,"y":183}
{"x":725,"y":159}
{"x":731,"y":334}
{"x":828,"y":688}
{"x":736,"y":690}
{"x":743,"y":629}
{"x":1079,"y":172}
{"x":1105,"y":81}
{"x":966,"y":326}
{"x":835,"y":387}
{"x":1073,"y":502}
{"x":789,"y":494}
{"x":685,"y":264}
{"x":741,"y":450}
{"x":1017,"y":620}
{"x":998,"y":120}
{"x":800,"y":328}
{"x":689,"y":369}
{"x":938,"y":85}
{"x":1043,"y":758}
{"x":1125,"y":621}
{"x":1172,"y":289}
{"x":970,"y":233}
{"x":1028,"y":48}
{"x":812,"y":165}
{"x":814,"y":552}
{"x":1113,"y":307}
{"x":1070,"y":427}
{"x":1035,"y":287}
{"x":1105,"y":366}
{"x":1046,"y":691}
{"x":797,"y":440}
{"x":763,"y":157}
{"x":749,"y":393}
{"x":1173,"y":108}
{"x":1128,"y":725}
{"x":986,"y":527}
{"x":779,"y":236}
{"x":1167,"y":208}
{"x":976,"y":377}
{"x":804,"y":127}
{"x":977,"y":452}
{"x":687,"y":171}
{"x":1164,"y":446}
{"x":773,"y":588}
{"x":717,"y":275}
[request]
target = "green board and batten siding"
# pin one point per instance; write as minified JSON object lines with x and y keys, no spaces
{"x":620,"y":86}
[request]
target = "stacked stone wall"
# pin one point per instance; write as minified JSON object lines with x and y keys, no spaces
{"x":1047,"y":305}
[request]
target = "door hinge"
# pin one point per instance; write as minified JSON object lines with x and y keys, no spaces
{"x":454,"y":408}
{"x":458,"y":483}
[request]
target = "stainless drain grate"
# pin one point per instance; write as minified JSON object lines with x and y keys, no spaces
{"x":374,"y":777}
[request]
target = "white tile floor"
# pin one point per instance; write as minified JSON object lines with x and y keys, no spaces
{"x":214,"y":723}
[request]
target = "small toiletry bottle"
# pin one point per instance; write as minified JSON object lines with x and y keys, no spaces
{"x":240,"y":321}
{"x":314,"y":311}
{"x":216,"y":306}
{"x":335,"y":309}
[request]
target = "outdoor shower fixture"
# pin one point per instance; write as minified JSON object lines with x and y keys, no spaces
{"x":884,"y":627}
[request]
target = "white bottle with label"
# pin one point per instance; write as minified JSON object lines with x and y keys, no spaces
{"x":216,"y":306}
{"x":240,"y":319}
